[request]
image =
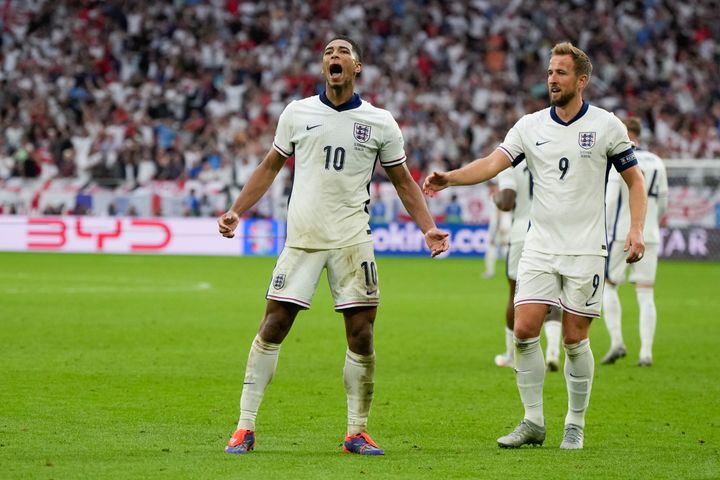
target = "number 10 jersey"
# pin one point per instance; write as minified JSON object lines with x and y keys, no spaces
{"x":335,"y":150}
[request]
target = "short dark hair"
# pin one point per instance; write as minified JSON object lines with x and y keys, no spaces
{"x":357,"y":50}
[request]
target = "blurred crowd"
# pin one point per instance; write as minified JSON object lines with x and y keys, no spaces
{"x":122,"y":92}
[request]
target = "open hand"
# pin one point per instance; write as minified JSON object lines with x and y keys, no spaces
{"x":437,"y":240}
{"x":435,"y":182}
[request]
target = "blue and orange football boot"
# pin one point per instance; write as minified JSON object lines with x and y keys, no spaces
{"x":361,"y":444}
{"x":241,"y":442}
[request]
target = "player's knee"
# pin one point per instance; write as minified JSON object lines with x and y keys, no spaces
{"x":362,"y":330}
{"x":277,"y":322}
{"x":360,"y":341}
{"x":573,"y":338}
{"x":524,"y":330}
{"x":572,"y":335}
{"x":273,"y":332}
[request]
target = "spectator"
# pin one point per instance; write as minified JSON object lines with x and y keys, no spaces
{"x":176,"y":75}
{"x":453,"y":211}
{"x":191,"y":204}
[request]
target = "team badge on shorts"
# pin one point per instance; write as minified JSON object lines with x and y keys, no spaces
{"x":279,"y":281}
{"x":361,"y":132}
{"x":586,"y":139}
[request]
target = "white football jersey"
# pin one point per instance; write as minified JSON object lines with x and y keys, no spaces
{"x":521,"y":182}
{"x":335,"y":150}
{"x":618,"y":207}
{"x":569,"y":163}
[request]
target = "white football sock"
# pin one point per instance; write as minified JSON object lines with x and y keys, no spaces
{"x":612,"y":312}
{"x":552,"y":332}
{"x":530,"y":375}
{"x":579,"y":370}
{"x":358,"y":375}
{"x":490,"y":258}
{"x":260,"y":368}
{"x":648,"y":320}
{"x":509,"y":343}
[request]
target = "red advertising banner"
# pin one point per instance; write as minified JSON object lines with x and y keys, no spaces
{"x":115,"y":235}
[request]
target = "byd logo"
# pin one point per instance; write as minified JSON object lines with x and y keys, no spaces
{"x":52,"y":233}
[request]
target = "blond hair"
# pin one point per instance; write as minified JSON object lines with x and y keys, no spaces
{"x":633,"y":125}
{"x":583,"y":66}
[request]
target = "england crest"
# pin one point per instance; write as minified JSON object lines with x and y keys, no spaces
{"x":361,"y":132}
{"x":586,"y":139}
{"x":279,"y":281}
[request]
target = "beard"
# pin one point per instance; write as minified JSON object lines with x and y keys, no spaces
{"x":564,"y":99}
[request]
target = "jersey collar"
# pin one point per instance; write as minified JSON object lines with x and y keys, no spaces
{"x":354,"y":102}
{"x":579,"y":115}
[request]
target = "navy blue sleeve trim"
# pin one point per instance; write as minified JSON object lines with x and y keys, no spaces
{"x":282,"y":152}
{"x":624,"y":160}
{"x":515,"y":161}
{"x":518,"y":160}
{"x":392,"y":163}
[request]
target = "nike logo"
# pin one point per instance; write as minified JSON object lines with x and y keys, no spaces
{"x":591,"y":304}
{"x":537,"y":144}
{"x":370,"y":292}
{"x":308,"y":127}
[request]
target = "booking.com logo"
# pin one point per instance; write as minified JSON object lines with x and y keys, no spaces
{"x":407,"y":239}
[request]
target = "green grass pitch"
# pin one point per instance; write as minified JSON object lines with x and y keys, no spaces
{"x":123,"y":367}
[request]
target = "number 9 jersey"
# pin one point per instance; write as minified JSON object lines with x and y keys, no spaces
{"x":569,"y":163}
{"x":335,"y":150}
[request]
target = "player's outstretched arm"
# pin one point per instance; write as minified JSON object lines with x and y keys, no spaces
{"x":635,"y":244}
{"x":412,"y":199}
{"x":256,"y":186}
{"x":474,"y":172}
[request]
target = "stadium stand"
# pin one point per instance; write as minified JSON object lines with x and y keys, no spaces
{"x":122,"y":107}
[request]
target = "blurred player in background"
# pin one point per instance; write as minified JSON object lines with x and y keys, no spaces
{"x":498,"y":232}
{"x":336,"y":137}
{"x":378,"y":210}
{"x":568,"y":149}
{"x":642,"y":273}
{"x":515,"y":191}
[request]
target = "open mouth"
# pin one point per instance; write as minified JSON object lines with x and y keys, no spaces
{"x":335,"y":70}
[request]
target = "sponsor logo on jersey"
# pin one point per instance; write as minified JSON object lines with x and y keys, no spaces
{"x":279,"y":281}
{"x":586,"y":139}
{"x":361,"y":132}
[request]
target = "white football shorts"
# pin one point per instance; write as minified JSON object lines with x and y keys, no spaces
{"x":642,"y":272}
{"x":351,"y":271}
{"x":572,"y":282}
